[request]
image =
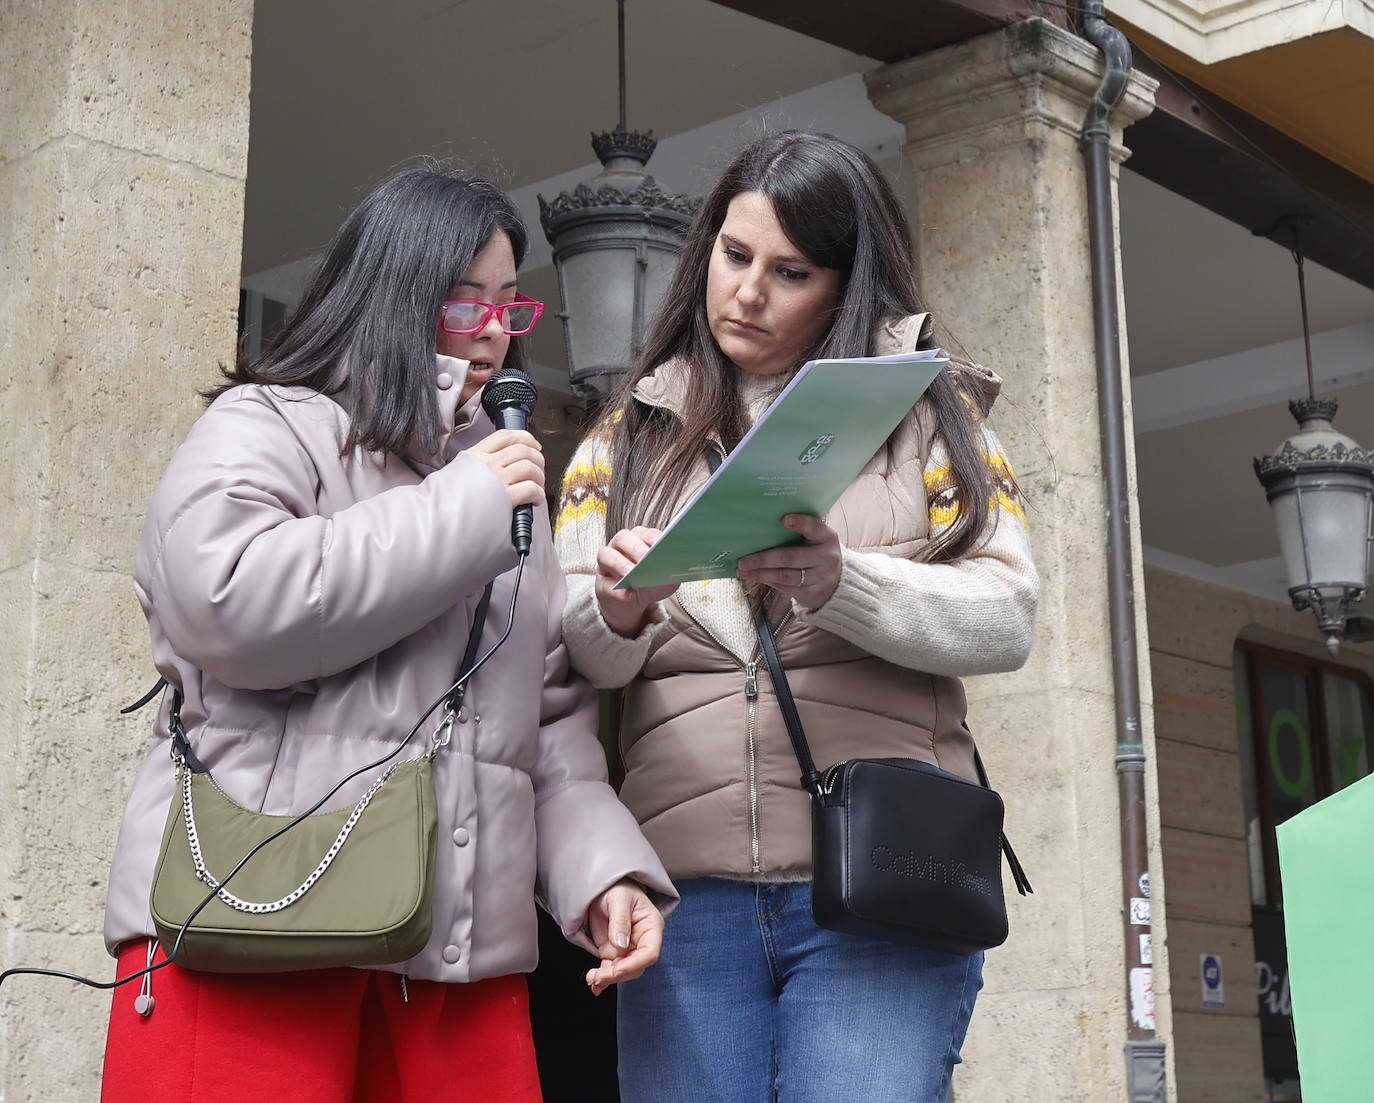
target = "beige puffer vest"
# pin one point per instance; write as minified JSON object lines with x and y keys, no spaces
{"x":710,"y":771}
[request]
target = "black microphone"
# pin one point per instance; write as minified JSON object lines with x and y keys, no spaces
{"x":509,"y":400}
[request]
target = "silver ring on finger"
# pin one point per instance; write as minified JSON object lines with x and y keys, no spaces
{"x":802,"y":581}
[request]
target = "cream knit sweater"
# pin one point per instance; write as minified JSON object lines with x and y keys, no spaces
{"x":972,"y":616}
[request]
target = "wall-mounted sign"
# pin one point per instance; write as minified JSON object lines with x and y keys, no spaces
{"x":1213,"y":990}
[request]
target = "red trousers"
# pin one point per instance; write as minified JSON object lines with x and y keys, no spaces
{"x":325,"y":1036}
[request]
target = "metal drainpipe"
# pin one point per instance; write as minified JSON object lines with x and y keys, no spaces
{"x":1145,"y":1065}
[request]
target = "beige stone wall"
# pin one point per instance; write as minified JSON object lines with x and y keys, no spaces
{"x":1194,"y":627}
{"x":996,"y":181}
{"x":123,"y":154}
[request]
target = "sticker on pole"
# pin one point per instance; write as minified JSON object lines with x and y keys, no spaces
{"x":1143,"y":998}
{"x":1213,"y":991}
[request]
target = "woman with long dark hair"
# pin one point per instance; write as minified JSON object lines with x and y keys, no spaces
{"x":310,"y":567}
{"x":920,"y":574}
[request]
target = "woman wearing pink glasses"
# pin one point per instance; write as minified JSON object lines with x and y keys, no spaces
{"x":310,"y":567}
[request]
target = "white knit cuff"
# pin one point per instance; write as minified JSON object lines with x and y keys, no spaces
{"x":604,"y":657}
{"x":856,"y":605}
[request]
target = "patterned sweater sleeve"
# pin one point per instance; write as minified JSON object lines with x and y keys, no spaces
{"x":603,"y":657}
{"x":974,"y":615}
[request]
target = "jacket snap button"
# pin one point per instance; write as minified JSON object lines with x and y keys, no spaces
{"x":443,"y":380}
{"x":460,"y":836}
{"x":452,"y":954}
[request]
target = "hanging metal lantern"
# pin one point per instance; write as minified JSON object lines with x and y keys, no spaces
{"x":1320,"y":484}
{"x":615,"y":243}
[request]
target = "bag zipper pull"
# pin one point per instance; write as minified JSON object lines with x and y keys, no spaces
{"x":143,"y":1002}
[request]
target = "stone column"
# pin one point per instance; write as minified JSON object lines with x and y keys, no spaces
{"x":996,"y":181}
{"x":123,"y":156}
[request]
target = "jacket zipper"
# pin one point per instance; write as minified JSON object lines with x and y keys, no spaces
{"x":751,"y":693}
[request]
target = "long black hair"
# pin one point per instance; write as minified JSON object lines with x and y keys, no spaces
{"x":366,"y":325}
{"x":838,"y":209}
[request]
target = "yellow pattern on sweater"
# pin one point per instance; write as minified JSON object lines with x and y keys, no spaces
{"x":941,"y":487}
{"x":587,"y":480}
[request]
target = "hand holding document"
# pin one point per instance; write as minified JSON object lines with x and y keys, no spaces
{"x":798,"y":458}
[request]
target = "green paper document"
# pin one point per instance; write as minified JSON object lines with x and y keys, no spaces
{"x":1326,"y":859}
{"x":798,"y":458}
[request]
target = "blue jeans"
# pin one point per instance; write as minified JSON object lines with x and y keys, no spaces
{"x":751,"y":1002}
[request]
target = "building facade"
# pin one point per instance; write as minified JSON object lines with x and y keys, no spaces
{"x":169,"y":168}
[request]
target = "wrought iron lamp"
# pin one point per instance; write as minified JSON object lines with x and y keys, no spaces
{"x":1320,"y":484}
{"x":615,"y":242}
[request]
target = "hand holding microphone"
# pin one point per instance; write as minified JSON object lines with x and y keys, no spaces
{"x":511,"y":452}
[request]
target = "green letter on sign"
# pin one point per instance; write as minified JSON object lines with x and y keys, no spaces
{"x":1295,"y":788}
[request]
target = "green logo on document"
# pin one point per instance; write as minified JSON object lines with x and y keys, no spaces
{"x":816,"y":449}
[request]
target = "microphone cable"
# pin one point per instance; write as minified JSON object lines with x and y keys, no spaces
{"x":459,"y":684}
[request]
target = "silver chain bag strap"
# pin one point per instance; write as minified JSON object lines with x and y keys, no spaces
{"x":366,"y":901}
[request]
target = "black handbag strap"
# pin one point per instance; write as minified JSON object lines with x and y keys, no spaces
{"x":1018,"y":874}
{"x":479,"y":619}
{"x":811,"y":778}
{"x":181,"y":745}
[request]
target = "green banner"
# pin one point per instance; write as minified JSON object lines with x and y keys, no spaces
{"x":1326,"y":861}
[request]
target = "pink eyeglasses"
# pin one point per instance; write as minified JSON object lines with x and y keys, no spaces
{"x":472,"y":315}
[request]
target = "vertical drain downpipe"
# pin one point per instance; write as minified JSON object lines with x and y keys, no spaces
{"x":1145,"y":1064}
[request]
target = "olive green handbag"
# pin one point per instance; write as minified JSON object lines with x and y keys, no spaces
{"x":315,"y":891}
{"x":351,"y":887}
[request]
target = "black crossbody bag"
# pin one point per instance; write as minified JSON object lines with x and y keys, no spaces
{"x":901,"y":850}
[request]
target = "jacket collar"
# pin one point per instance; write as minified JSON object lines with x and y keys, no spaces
{"x":449,"y":375}
{"x":981,"y":385}
{"x":666,"y":386}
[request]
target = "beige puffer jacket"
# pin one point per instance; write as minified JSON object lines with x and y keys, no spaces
{"x":312,"y":605}
{"x":710,"y":771}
